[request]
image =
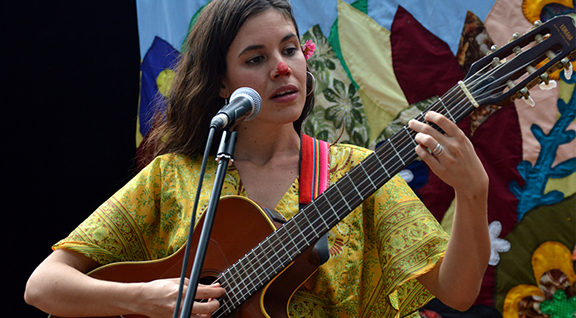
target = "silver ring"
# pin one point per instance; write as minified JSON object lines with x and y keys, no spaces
{"x":438,"y":150}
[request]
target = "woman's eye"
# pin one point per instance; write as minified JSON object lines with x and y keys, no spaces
{"x":290,"y":51}
{"x":255,"y":60}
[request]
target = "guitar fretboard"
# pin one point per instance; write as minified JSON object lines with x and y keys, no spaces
{"x":280,"y":248}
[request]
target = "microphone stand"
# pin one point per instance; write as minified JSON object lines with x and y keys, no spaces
{"x":225,"y":154}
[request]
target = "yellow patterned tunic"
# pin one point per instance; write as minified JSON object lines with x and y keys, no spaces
{"x":375,"y":252}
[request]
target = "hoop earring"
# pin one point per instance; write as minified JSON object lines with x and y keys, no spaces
{"x":313,"y":85}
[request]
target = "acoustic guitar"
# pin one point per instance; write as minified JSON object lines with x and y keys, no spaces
{"x":260,"y":281}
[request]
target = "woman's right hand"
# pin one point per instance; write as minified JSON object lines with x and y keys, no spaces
{"x":159,"y":298}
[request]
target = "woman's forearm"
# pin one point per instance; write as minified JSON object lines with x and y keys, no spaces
{"x":58,"y":288}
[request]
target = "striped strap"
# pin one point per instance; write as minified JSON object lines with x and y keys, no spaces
{"x":314,"y":168}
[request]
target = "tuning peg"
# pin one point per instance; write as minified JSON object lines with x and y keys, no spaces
{"x":493,"y":49}
{"x":515,"y":37}
{"x":568,"y":68}
{"x":526,"y":97}
{"x":537,"y":23}
{"x":547,"y":84}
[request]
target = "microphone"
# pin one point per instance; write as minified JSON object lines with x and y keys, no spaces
{"x":245,"y":104}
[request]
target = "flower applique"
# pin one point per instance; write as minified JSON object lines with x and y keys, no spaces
{"x":497,"y":245}
{"x":555,"y":295}
{"x":308,"y":49}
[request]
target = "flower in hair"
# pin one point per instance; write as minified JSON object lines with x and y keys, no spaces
{"x":308,"y":49}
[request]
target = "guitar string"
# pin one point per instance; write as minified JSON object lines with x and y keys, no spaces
{"x":275,"y":247}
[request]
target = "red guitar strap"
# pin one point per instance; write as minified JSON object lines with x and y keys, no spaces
{"x":314,"y":168}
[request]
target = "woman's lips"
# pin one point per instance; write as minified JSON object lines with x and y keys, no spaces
{"x":285,"y":94}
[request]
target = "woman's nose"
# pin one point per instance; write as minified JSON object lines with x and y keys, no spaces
{"x":282,"y":70}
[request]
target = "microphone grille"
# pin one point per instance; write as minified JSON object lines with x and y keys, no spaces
{"x":254,"y":97}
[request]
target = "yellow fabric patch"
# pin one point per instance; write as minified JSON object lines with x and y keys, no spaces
{"x":566,"y":91}
{"x":553,"y":255}
{"x":164,"y":81}
{"x":533,"y":8}
{"x":515,"y":295}
{"x":367,"y":50}
{"x":565,"y":185}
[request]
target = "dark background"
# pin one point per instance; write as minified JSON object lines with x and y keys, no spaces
{"x":69,"y":97}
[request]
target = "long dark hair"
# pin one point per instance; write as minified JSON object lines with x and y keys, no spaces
{"x":195,"y":96}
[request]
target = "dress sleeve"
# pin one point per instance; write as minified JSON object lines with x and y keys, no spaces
{"x":121,"y":228}
{"x":410,"y":242}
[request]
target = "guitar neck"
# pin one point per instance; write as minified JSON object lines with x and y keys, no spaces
{"x":279,"y":249}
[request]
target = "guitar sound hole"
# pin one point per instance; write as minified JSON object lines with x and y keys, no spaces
{"x":207,"y":280}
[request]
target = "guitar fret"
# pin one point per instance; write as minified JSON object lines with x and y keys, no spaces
{"x":280,"y":243}
{"x":245,"y":260}
{"x":275,"y":250}
{"x":302,"y":234}
{"x":320,"y":216}
{"x":410,"y":135}
{"x":231,"y":292}
{"x":331,"y":208}
{"x":237,"y":276}
{"x":254,"y":269}
{"x":309,"y":224}
{"x":367,"y":176}
{"x":343,"y":199}
{"x":446,"y":108}
{"x":354,"y":186}
{"x":396,"y":151}
{"x":383,"y":166}
{"x":291,"y":237}
{"x":263,"y":255}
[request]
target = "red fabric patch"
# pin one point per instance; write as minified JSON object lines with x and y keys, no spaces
{"x":424,"y":65}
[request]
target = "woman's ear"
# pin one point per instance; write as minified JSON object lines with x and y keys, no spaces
{"x":223,"y":90}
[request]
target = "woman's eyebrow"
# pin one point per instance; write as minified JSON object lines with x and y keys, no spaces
{"x":260,"y":46}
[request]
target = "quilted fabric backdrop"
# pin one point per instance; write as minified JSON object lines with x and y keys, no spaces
{"x":379,"y":63}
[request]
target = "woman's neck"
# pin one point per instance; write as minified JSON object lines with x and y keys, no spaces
{"x":259,"y":146}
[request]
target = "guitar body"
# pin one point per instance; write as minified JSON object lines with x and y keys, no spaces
{"x":239,"y":225}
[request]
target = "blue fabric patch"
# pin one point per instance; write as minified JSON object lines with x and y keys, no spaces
{"x":159,"y":57}
{"x":167,"y":19}
{"x":536,"y":177}
{"x":444,"y":18}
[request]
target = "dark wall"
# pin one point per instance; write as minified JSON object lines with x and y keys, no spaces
{"x":70,"y":74}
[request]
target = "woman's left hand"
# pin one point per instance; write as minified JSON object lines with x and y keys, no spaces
{"x":452,"y":156}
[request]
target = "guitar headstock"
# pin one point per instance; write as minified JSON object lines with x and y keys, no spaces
{"x":509,"y":72}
